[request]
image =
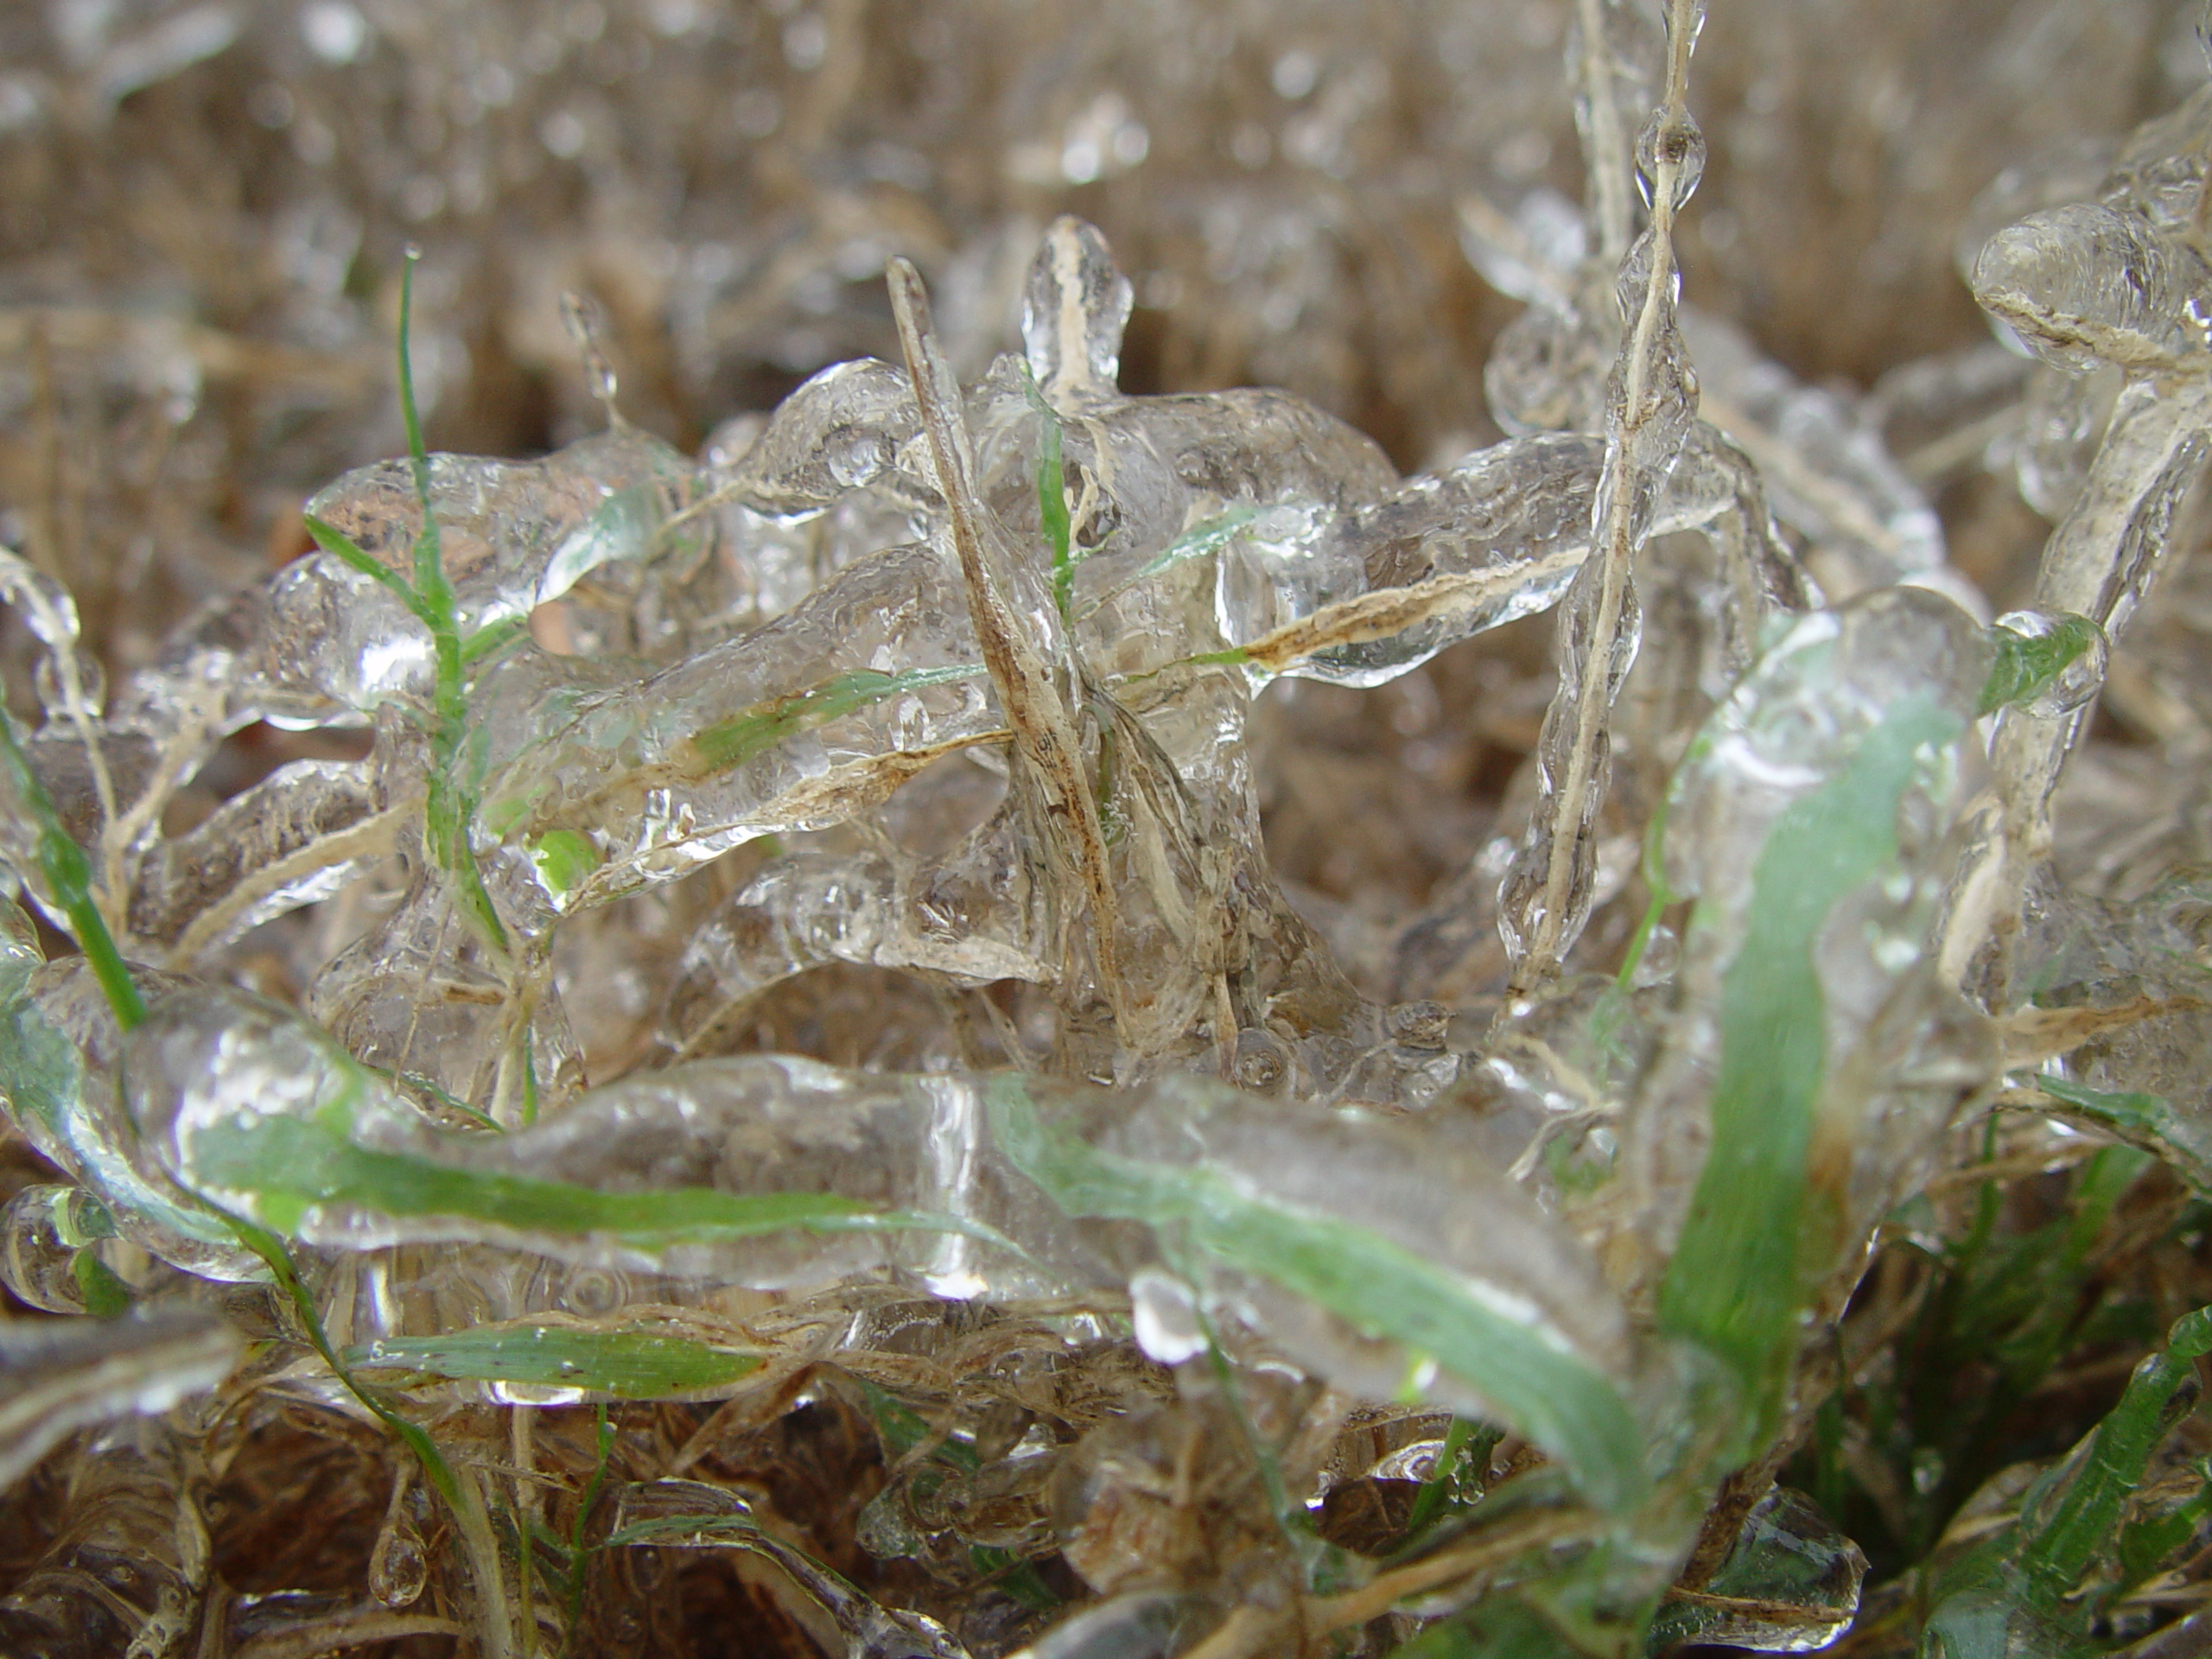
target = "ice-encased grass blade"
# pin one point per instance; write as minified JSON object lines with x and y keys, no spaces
{"x":2027,"y":1578}
{"x":68,"y":875}
{"x":733,"y":741}
{"x":1051,"y":494}
{"x":1790,"y":1583}
{"x":42,"y":1083}
{"x":2026,"y":666}
{"x":1740,"y":1275}
{"x":628,"y":1364}
{"x":2150,"y":1122}
{"x":1370,"y":1281}
{"x":286,"y":1166}
{"x":1208,"y":537}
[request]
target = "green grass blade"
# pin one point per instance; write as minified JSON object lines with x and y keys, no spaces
{"x":2027,"y":667}
{"x":1201,"y":539}
{"x":105,"y":1295}
{"x":2149,"y":1121}
{"x":1052,"y":495}
{"x":901,"y":1428}
{"x":579,"y":1554}
{"x":271,"y":1250}
{"x":1372,"y":1283}
{"x":343,"y":548}
{"x":2085,"y":1520}
{"x":282,"y":1168}
{"x":733,"y":741}
{"x":69,"y":877}
{"x":493,"y":638}
{"x":1738,"y":1277}
{"x":628,"y":1364}
{"x":565,"y":860}
{"x":430,"y":565}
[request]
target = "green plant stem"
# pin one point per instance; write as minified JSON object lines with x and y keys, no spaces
{"x":460,"y":1493}
{"x":1051,"y":497}
{"x":69,"y":877}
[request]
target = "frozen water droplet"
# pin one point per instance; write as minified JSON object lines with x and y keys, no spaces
{"x":839,"y":431}
{"x":59,"y":698}
{"x":1664,"y":144}
{"x":1073,"y":311}
{"x":1418,"y":1025}
{"x":400,"y":1568}
{"x":1262,"y":1062}
{"x":1165,"y":1314}
{"x":40,"y":1232}
{"x":854,"y":457}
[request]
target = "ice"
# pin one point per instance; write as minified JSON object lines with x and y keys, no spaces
{"x":515,"y":535}
{"x":2065,"y":417}
{"x":399,"y":1566}
{"x":1073,"y":311}
{"x":306,"y":831}
{"x":60,"y":1039}
{"x":841,"y":431}
{"x":2088,"y":283}
{"x":43,"y":1232}
{"x":60,"y":1377}
{"x":861,"y":904}
{"x":262,"y":1113}
{"x":1615,"y":59}
{"x":1897,"y":673}
{"x":1789,"y":1584}
{"x":2082,"y":678}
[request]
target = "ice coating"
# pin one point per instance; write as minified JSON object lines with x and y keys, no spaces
{"x":1073,"y":310}
{"x":918,"y":727}
{"x":127,"y":1574}
{"x":516,"y":534}
{"x":2088,"y":283}
{"x":775,"y":1173}
{"x":60,"y":1040}
{"x":1651,"y":405}
{"x":1816,"y":930}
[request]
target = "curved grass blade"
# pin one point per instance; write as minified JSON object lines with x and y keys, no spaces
{"x":1738,"y":1276}
{"x":2149,"y":1121}
{"x":1372,"y":1283}
{"x":69,"y":877}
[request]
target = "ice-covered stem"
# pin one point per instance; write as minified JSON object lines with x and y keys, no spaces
{"x":459,"y":1488}
{"x":2097,"y":564}
{"x":69,"y":877}
{"x":449,"y":808}
{"x":1606,"y":158}
{"x":1044,"y":741}
{"x":1600,"y":604}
